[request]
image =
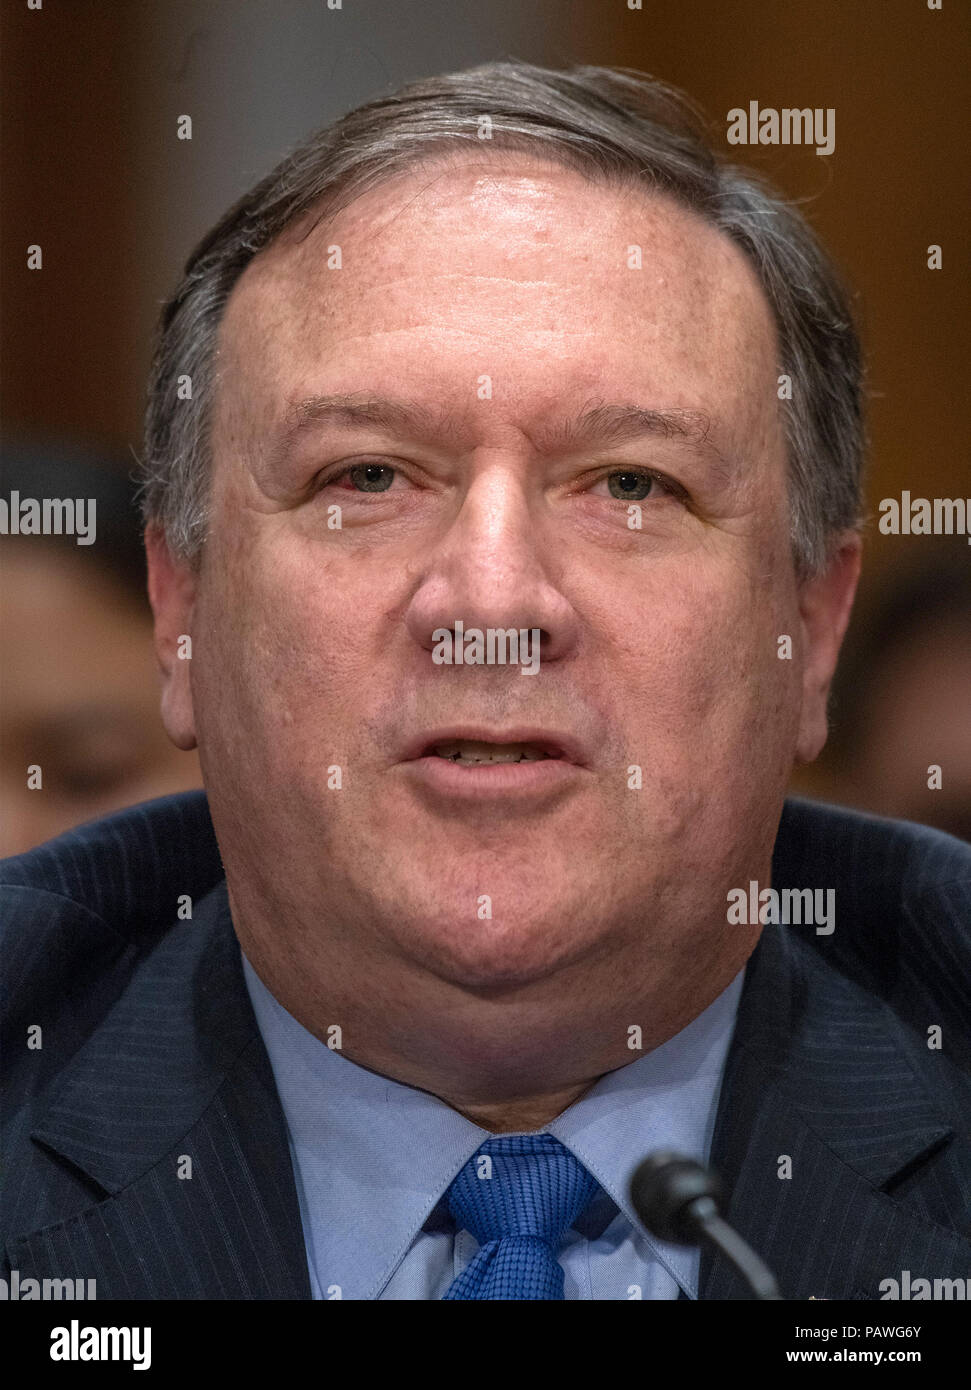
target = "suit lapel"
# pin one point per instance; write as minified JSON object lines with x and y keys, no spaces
{"x":819,"y":1084}
{"x":819,"y":1073}
{"x":172,"y":1111}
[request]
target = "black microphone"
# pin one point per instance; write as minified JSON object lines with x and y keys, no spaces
{"x":677,"y":1199}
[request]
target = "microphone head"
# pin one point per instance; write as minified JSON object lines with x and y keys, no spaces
{"x":663,"y":1189}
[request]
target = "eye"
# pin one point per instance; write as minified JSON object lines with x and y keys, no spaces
{"x":371,"y":477}
{"x":635,"y":484}
{"x":360,"y":477}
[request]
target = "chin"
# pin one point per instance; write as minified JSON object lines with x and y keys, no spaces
{"x":510,"y":951}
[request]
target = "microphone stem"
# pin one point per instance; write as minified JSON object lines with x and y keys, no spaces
{"x":741,"y":1255}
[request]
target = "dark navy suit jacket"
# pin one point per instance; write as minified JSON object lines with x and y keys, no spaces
{"x":150,"y":1052}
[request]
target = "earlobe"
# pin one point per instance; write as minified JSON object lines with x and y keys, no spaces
{"x":172,"y":594}
{"x":825,"y":604}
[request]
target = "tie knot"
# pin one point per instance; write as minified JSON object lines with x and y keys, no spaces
{"x":521,"y":1185}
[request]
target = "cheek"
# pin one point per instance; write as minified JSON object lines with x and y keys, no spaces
{"x":710,"y":715}
{"x":697,"y":664}
{"x":295,"y":655}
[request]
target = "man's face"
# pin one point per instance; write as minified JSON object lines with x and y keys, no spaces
{"x":505,"y":299}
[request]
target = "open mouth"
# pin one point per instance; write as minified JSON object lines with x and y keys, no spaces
{"x":518,"y":767}
{"x":473,"y":753}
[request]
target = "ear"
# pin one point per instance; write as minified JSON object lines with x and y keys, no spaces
{"x":825,"y":603}
{"x":172,"y":594}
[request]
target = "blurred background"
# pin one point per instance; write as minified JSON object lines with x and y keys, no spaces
{"x":94,"y":173}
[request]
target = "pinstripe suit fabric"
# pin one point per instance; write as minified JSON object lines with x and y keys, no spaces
{"x":151,"y":1058}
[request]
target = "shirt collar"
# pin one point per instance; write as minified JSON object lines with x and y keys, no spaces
{"x":373,"y":1157}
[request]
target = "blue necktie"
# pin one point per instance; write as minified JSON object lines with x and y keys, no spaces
{"x":519,"y":1215}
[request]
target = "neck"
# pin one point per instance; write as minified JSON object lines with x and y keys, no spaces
{"x":508,"y":1061}
{"x":533,"y":1113}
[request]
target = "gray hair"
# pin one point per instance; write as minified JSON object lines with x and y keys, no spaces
{"x":611,"y":124}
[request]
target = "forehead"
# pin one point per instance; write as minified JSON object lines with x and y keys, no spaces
{"x":507,"y":266}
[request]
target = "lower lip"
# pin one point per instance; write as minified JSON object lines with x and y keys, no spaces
{"x":484,"y":781}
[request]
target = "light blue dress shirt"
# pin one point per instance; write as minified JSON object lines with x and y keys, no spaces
{"x":372,"y":1160}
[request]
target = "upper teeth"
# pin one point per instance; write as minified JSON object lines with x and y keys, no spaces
{"x":466,"y":751}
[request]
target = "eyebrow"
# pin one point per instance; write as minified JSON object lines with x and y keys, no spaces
{"x":596,"y":424}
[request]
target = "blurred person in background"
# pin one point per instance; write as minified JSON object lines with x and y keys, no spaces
{"x":902,"y":698}
{"x":78,"y":688}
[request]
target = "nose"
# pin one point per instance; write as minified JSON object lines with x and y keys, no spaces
{"x":494,"y":568}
